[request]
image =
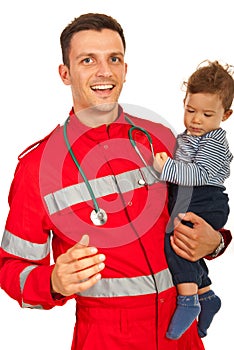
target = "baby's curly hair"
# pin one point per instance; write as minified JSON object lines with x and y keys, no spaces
{"x":213,"y":78}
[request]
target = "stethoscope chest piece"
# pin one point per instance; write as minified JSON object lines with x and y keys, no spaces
{"x":98,"y":218}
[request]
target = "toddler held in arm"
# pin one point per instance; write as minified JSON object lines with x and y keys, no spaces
{"x":196,"y":178}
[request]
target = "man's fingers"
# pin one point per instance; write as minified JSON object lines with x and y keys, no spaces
{"x":182,"y":231}
{"x":77,"y":269}
{"x":180,"y":248}
{"x":83,"y":285}
{"x":69,"y":274}
{"x":189,"y":216}
{"x":83,"y":275}
{"x":82,"y":264}
{"x":75,"y":253}
{"x":78,"y":251}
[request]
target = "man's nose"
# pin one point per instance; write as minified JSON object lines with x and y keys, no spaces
{"x":104,"y":69}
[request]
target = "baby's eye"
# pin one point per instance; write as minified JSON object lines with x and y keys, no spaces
{"x":207,"y":115}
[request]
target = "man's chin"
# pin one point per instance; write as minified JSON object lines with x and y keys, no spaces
{"x":105,"y":107}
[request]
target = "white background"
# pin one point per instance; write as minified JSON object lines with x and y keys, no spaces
{"x":166,"y":40}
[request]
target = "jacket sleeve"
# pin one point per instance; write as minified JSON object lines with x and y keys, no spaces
{"x":227,"y":237}
{"x":25,"y":250}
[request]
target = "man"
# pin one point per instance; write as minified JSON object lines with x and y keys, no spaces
{"x":86,"y":184}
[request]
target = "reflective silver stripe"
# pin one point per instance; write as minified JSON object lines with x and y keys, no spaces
{"x":24,"y":275}
{"x":102,"y":186}
{"x":24,"y":249}
{"x":120,"y":287}
{"x":25,"y":305}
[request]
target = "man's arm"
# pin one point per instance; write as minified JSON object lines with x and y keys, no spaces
{"x":197,"y":242}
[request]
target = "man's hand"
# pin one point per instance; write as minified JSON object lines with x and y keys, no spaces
{"x":194,"y":243}
{"x":78,"y":269}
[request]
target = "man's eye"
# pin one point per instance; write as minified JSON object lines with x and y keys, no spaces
{"x":114,"y":59}
{"x":88,"y":60}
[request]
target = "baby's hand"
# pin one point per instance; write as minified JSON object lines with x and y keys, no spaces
{"x":159,"y":161}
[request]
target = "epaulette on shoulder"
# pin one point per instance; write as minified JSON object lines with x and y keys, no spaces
{"x":36,"y":144}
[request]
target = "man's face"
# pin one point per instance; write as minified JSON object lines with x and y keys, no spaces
{"x":97,"y":69}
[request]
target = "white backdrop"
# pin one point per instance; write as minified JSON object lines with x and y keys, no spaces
{"x":166,"y":40}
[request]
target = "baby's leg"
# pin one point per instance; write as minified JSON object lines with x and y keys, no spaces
{"x":188,"y":308}
{"x":210,"y":305}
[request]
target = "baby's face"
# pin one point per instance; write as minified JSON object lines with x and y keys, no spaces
{"x":203,"y":112}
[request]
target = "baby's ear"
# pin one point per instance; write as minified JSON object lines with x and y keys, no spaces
{"x":227,"y":114}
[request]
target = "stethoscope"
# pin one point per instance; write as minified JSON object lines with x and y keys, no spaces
{"x":98,"y":215}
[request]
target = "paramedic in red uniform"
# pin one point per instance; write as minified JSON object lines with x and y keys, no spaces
{"x":116,"y":269}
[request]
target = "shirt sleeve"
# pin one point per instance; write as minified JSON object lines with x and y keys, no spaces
{"x":208,"y":161}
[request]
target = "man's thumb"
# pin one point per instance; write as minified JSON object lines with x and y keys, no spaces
{"x":84,"y":240}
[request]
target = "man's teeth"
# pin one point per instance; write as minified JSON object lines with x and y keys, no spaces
{"x":102,"y":87}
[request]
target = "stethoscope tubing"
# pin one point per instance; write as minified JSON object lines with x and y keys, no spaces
{"x":89,"y":188}
{"x":98,"y":216}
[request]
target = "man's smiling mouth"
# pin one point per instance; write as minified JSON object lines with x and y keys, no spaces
{"x":102,"y":87}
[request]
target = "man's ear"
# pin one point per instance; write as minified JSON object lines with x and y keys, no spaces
{"x":64,"y":74}
{"x":227,"y":114}
{"x":126,"y":69}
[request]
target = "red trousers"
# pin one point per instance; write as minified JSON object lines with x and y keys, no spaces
{"x":128,"y":328}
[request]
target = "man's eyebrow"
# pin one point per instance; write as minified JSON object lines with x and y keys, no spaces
{"x":84,"y":54}
{"x":117,"y":53}
{"x":90,"y":54}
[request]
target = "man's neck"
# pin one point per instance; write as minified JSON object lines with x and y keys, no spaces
{"x":95,"y":117}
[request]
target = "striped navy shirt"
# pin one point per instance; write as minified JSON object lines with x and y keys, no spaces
{"x":199,"y":160}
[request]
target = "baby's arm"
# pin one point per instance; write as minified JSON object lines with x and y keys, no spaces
{"x":159,"y":161}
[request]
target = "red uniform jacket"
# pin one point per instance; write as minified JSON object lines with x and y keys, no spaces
{"x":131,"y":306}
